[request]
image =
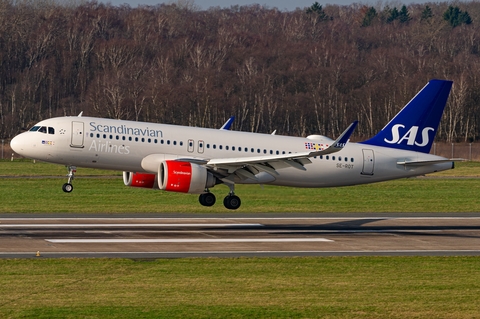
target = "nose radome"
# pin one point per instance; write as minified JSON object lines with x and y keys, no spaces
{"x":18,"y":144}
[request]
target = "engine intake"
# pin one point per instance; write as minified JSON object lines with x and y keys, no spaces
{"x":184,"y":177}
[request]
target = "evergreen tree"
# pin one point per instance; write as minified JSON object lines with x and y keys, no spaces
{"x":456,"y":17}
{"x":393,"y":15}
{"x":317,"y":8}
{"x":369,"y":16}
{"x":403,"y":15}
{"x":426,"y":13}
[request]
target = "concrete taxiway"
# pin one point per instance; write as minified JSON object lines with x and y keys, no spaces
{"x":233,"y":235}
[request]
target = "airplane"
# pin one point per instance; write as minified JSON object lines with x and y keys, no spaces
{"x":193,"y":160}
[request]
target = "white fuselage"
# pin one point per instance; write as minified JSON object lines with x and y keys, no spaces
{"x":122,"y":145}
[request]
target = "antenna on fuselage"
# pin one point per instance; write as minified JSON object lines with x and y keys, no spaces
{"x":80,"y":115}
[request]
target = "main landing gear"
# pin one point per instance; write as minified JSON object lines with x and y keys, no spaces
{"x":231,"y":201}
{"x":68,"y":187}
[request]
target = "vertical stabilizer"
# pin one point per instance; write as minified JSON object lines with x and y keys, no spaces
{"x":415,"y":126}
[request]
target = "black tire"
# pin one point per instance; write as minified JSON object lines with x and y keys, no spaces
{"x":207,"y":199}
{"x":232,"y":202}
{"x":67,"y":188}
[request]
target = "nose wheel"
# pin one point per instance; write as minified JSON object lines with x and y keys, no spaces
{"x":68,"y":187}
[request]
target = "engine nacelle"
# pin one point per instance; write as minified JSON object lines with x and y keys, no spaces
{"x":184,"y":177}
{"x":143,"y":180}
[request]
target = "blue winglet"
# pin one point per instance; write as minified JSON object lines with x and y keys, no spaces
{"x":343,"y":139}
{"x":415,"y":126}
{"x":228,"y":123}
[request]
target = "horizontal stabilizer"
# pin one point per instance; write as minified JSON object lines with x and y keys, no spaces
{"x":422,"y":163}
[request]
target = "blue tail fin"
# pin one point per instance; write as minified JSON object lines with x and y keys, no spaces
{"x":415,"y":126}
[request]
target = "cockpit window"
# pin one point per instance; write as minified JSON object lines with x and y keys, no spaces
{"x":51,"y":130}
{"x":43,"y":129}
{"x":34,"y":129}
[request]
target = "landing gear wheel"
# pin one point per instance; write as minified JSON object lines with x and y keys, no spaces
{"x":67,"y":187}
{"x":232,"y":202}
{"x":207,"y":199}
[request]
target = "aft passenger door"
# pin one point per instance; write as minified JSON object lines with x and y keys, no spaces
{"x":368,"y":162}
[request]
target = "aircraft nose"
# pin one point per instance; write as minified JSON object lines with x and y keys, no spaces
{"x":18,"y":144}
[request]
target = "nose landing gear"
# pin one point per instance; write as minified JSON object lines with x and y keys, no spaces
{"x":68,"y":187}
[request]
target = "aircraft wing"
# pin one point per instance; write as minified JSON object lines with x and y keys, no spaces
{"x":248,"y":167}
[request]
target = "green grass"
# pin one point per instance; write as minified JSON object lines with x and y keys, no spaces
{"x":107,"y":194}
{"x":343,"y":287}
{"x":360,"y":287}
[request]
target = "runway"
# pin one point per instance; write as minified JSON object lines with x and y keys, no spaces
{"x":235,"y":235}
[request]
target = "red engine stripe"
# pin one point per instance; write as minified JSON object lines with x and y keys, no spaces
{"x":143,"y":180}
{"x":179,"y":176}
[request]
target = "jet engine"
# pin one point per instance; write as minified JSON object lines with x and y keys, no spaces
{"x":143,"y":180}
{"x":184,"y":177}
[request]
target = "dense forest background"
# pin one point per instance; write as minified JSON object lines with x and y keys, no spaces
{"x":309,"y":71}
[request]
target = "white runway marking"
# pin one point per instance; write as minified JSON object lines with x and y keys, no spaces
{"x":183,"y":241}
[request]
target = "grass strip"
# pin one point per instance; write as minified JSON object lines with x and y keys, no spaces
{"x":107,"y":195}
{"x":356,"y":287}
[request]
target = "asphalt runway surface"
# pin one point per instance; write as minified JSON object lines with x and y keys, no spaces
{"x":150,"y":236}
